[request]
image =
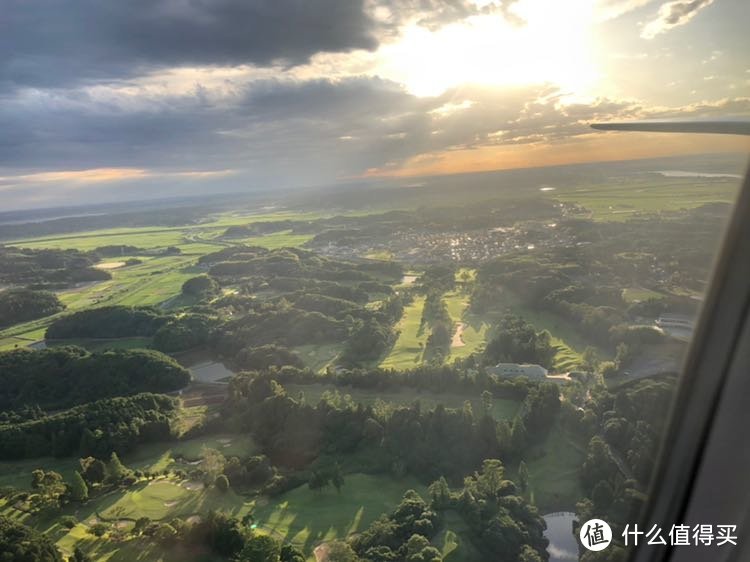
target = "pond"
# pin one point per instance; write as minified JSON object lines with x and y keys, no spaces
{"x":563,"y":545}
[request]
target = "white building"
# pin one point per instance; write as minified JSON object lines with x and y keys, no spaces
{"x":511,"y":370}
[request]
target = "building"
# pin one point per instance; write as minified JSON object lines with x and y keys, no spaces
{"x":678,"y":326}
{"x":511,"y":370}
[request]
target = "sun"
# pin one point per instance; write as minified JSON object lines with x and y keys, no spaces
{"x":554,"y":45}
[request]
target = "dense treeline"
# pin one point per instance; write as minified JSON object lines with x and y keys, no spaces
{"x":107,"y":322}
{"x":429,"y":444}
{"x":238,"y":262}
{"x":21,"y":305}
{"x":427,"y":377}
{"x":624,"y":429}
{"x":94,"y":429}
{"x":20,"y":543}
{"x":61,"y":377}
{"x":501,"y":524}
{"x":47,"y":268}
{"x":516,"y":341}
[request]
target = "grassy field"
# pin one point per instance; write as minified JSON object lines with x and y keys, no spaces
{"x":408,"y":349}
{"x":618,"y":201}
{"x":306,"y":518}
{"x":554,"y":465}
{"x":502,"y":408}
{"x":278,"y":240}
{"x":568,"y":342}
{"x":300,"y":516}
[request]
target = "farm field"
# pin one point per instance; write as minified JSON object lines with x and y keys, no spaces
{"x":618,"y":201}
{"x":157,"y":280}
{"x":502,"y":408}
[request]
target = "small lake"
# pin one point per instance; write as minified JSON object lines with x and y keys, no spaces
{"x":563,"y":545}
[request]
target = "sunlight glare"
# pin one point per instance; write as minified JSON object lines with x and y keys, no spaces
{"x":553,"y":46}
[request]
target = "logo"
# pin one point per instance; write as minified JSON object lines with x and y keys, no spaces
{"x":596,"y":534}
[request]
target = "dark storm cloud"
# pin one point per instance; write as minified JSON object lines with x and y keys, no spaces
{"x":54,"y":42}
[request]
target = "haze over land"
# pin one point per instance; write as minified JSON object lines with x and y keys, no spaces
{"x":114,"y":103}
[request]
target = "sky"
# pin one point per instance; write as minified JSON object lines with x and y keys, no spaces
{"x":105,"y":100}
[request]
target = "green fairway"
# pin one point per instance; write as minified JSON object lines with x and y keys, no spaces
{"x":300,"y":516}
{"x":554,"y":467}
{"x":408,"y":349}
{"x":307,"y":518}
{"x":566,"y":339}
{"x":154,"y":500}
{"x":471,"y":329}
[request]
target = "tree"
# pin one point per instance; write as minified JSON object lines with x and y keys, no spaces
{"x":318,"y":480}
{"x":222,"y":483}
{"x":212,"y":465}
{"x":260,"y":548}
{"x":201,"y":286}
{"x":518,"y":435}
{"x":523,"y":476}
{"x":339,"y":551}
{"x":590,"y":360}
{"x":50,"y":488}
{"x":116,"y":471}
{"x":78,"y":490}
{"x":528,"y":554}
{"x":19,"y":543}
{"x":488,"y":402}
{"x":79,"y":556}
{"x":440,"y":493}
{"x":165,"y":533}
{"x":93,"y":470}
{"x":337,"y":477}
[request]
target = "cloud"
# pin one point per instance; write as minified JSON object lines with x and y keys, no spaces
{"x":52,"y":43}
{"x":433,"y":14}
{"x":279,"y":132}
{"x":611,"y":9}
{"x":673,"y":14}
